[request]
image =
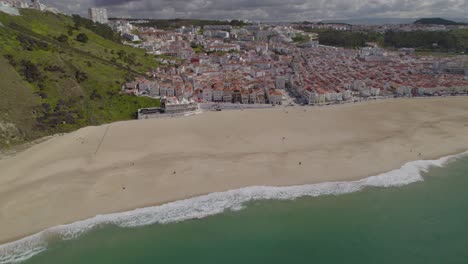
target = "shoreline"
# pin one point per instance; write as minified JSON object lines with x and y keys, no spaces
{"x":51,"y":185}
{"x":191,"y":208}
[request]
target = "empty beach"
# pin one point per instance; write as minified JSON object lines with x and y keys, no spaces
{"x":127,"y":165}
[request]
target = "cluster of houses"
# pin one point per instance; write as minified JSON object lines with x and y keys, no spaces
{"x":217,"y":92}
{"x":212,"y":38}
{"x":259,"y":64}
{"x":328,"y":26}
{"x":233,"y":71}
{"x":332,"y":75}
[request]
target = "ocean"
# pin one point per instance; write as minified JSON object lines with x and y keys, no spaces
{"x":398,"y":217}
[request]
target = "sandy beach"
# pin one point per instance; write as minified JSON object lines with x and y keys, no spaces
{"x":134,"y":164}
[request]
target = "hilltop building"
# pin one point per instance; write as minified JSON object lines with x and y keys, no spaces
{"x":14,"y":3}
{"x":36,"y":4}
{"x":98,"y":15}
{"x":9,"y":9}
{"x":11,"y":6}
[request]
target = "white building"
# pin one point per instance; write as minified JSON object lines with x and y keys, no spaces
{"x":131,"y":37}
{"x":221,"y":34}
{"x":280,"y":82}
{"x":208,"y":94}
{"x":404,"y":91}
{"x":347,"y":95}
{"x":170,"y":91}
{"x":375,"y":91}
{"x":245,"y":96}
{"x":275,"y":97}
{"x":36,"y":4}
{"x":14,"y":4}
{"x":162,"y":90}
{"x":98,"y":15}
{"x":218,"y":94}
{"x":9,"y":9}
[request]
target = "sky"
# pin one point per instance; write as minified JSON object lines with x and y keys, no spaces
{"x":270,"y":10}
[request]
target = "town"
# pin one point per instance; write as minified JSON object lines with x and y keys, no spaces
{"x":259,"y":64}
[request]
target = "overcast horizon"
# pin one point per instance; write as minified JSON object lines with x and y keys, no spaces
{"x":271,"y":10}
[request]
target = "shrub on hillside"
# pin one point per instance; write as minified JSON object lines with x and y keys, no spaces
{"x":10,"y":59}
{"x":95,"y":95}
{"x":46,"y":107}
{"x":82,"y":37}
{"x":54,"y":68}
{"x":30,"y":44}
{"x":81,"y":76}
{"x":445,"y":40}
{"x":43,"y":95}
{"x":30,"y":71}
{"x":62,"y":38}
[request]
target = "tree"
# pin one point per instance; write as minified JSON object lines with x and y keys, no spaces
{"x":300,"y":38}
{"x":30,"y":71}
{"x":62,"y":38}
{"x":82,"y":38}
{"x":346,"y":39}
{"x":81,"y":76}
{"x":121,"y":54}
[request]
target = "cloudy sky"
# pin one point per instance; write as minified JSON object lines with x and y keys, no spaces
{"x":271,"y":10}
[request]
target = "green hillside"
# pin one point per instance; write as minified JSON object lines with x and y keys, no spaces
{"x":441,"y":41}
{"x":60,"y":74}
{"x":15,"y":115}
{"x":436,"y":21}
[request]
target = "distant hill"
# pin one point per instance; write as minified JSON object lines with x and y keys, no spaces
{"x":380,"y":21}
{"x":436,"y":21}
{"x":372,"y":21}
{"x":61,"y":73}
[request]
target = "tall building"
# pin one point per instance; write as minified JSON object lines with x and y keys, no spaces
{"x":98,"y":15}
{"x":36,"y":4}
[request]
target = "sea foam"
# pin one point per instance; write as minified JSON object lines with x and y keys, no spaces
{"x":212,"y":204}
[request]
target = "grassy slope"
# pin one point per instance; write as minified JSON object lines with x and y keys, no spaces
{"x":15,"y":115}
{"x":69,"y":104}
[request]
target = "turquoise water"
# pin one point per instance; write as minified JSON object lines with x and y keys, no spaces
{"x":424,"y":222}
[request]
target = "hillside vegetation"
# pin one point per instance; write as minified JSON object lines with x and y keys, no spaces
{"x":434,"y":41}
{"x":348,"y":39}
{"x":61,"y":73}
{"x":453,"y":41}
{"x":436,"y":21}
{"x":17,"y":104}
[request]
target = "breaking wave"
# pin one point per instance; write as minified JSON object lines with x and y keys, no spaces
{"x":212,"y":204}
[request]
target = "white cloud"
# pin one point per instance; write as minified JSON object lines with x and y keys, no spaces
{"x":271,"y":10}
